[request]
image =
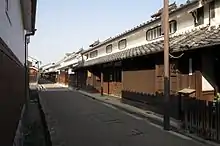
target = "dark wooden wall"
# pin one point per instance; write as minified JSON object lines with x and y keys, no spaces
{"x":112,"y":80}
{"x":63,"y":78}
{"x":139,"y":81}
{"x":145,"y":75}
{"x":12,"y":90}
{"x":73,"y":80}
{"x":94,"y":79}
{"x":139,"y":75}
{"x":81,"y":78}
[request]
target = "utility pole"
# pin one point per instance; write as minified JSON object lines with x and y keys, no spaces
{"x":166,"y":29}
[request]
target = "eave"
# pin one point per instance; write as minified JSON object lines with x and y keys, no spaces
{"x":28,"y":8}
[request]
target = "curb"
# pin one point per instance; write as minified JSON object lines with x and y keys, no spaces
{"x":152,"y":120}
{"x":45,"y":124}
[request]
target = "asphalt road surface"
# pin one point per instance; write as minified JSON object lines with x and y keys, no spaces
{"x":81,"y":121}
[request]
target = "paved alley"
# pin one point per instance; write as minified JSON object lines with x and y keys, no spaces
{"x":77,"y":120}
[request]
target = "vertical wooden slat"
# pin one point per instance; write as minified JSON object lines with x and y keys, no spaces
{"x":198,"y":84}
{"x":102,"y":83}
{"x":156,"y":74}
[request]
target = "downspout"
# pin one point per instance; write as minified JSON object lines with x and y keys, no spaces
{"x":26,"y":76}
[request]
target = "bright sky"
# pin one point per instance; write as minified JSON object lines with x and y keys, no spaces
{"x":65,"y":26}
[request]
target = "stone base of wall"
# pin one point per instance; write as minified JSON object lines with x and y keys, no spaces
{"x":19,"y":137}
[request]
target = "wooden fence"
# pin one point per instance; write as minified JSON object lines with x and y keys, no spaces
{"x":199,"y":117}
{"x":202,"y":118}
{"x":155,"y":102}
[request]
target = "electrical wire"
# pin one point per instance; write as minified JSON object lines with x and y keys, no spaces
{"x":176,"y":57}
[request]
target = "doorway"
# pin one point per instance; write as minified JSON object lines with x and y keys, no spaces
{"x":112,"y":81}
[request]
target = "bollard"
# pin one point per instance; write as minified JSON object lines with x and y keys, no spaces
{"x":101,"y":91}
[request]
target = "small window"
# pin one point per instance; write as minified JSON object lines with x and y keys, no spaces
{"x":122,"y":44}
{"x":87,"y":56}
{"x":173,"y":26}
{"x":148,"y":35}
{"x":94,"y":54}
{"x":109,"y":49}
{"x":156,"y":32}
{"x":199,"y":16}
{"x":159,"y":31}
{"x":212,"y":9}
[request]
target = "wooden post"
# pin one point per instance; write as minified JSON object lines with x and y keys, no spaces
{"x":166,"y":65}
{"x":102,"y":82}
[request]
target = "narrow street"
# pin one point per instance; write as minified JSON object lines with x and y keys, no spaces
{"x":77,"y":120}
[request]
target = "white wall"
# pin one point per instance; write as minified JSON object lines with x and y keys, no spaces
{"x":13,"y":35}
{"x":184,"y":22}
{"x":216,"y":20}
{"x":206,"y":86}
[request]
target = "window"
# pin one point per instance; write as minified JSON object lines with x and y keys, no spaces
{"x":159,"y":31}
{"x":173,"y":27}
{"x":122,"y":44}
{"x":87,"y":56}
{"x":114,"y":75}
{"x":212,"y":9}
{"x":156,"y":32}
{"x":198,"y":16}
{"x":7,"y":7}
{"x":117,"y":75}
{"x":94,"y":54}
{"x":109,"y":49}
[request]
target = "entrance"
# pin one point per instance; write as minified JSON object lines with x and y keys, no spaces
{"x":112,"y":81}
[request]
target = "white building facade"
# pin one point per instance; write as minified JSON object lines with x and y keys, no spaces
{"x":192,"y":16}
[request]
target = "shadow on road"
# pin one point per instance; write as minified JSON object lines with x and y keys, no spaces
{"x":35,"y":127}
{"x":44,"y":81}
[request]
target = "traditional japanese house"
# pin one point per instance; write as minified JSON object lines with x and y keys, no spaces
{"x":130,"y":65}
{"x":62,"y":72}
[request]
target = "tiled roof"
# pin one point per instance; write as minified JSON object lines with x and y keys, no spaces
{"x":199,"y":37}
{"x":142,"y":25}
